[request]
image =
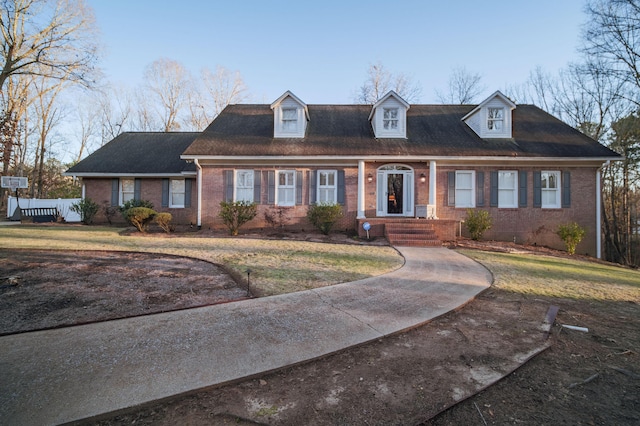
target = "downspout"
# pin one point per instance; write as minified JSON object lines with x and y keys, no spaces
{"x":599,"y":210}
{"x":361,"y":191}
{"x":199,"y":185}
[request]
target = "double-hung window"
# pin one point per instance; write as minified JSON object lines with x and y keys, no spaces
{"x":127,"y":190}
{"x":495,"y":119}
{"x":507,"y":189}
{"x":289,"y":120}
{"x":390,"y":118}
{"x":244,"y":186}
{"x":550,"y":189}
{"x":465,"y":188}
{"x":177,"y":193}
{"x":286,"y":188}
{"x":327,"y":186}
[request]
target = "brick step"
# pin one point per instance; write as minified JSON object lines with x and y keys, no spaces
{"x":411,"y":233}
{"x":416,"y":243}
{"x":414,"y":224}
{"x":414,"y":231}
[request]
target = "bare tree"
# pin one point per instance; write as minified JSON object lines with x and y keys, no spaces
{"x":54,"y":39}
{"x":116,"y":111}
{"x":169,"y":84}
{"x":224,"y":88}
{"x":87,"y":118}
{"x":464,"y":87}
{"x":613,"y":36}
{"x":216,"y":90}
{"x":380,"y":81}
{"x":48,"y":115}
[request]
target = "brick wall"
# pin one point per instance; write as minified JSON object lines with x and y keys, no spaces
{"x":532,"y":225}
{"x":99,"y":190}
{"x":293,"y":218}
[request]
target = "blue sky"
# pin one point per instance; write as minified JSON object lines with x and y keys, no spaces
{"x":321,"y":50}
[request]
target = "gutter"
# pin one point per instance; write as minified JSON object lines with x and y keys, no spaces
{"x":199,"y":185}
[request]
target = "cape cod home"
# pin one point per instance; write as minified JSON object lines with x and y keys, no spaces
{"x":410,"y":171}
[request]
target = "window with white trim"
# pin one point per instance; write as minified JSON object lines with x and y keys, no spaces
{"x":390,"y":118}
{"x":286,"y":188}
{"x":495,"y":119}
{"x":127,"y":190}
{"x":507,"y":189}
{"x":244,"y":186}
{"x":177,"y":193}
{"x":289,"y":120}
{"x":465,"y":188}
{"x":550,"y":189}
{"x":327,"y":186}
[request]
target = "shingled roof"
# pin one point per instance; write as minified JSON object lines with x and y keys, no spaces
{"x":131,"y":153}
{"x":432,"y":130}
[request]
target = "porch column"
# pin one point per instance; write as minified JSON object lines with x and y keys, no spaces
{"x":432,"y":187}
{"x":361,"y":190}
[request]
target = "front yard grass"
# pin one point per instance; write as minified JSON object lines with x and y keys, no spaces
{"x":277,"y":266}
{"x":559,"y":277}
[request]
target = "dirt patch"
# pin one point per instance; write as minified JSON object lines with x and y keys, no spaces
{"x":583,"y":378}
{"x":45,"y":289}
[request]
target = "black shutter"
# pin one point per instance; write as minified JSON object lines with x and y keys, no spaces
{"x":493,"y":197}
{"x":451,"y":189}
{"x":341,"y":187}
{"x":566,"y":189}
{"x":165,"y":192}
{"x":479,"y":189}
{"x":298,"y":187}
{"x":537,"y":189}
{"x":188,"y":187}
{"x":522,"y":190}
{"x":115,"y":190}
{"x":271,"y":185}
{"x":257,"y":175}
{"x":137,"y":184}
{"x":228,"y":186}
{"x":312,"y":186}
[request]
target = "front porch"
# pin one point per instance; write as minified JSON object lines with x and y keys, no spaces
{"x":410,"y":231}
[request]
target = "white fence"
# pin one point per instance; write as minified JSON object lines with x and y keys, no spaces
{"x":63,"y":205}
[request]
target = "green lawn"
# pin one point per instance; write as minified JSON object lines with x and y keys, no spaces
{"x":560,"y":277}
{"x":283,"y":266}
{"x":278,"y":266}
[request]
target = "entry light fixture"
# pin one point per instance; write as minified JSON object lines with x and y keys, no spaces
{"x":369,"y":178}
{"x":423,"y":177}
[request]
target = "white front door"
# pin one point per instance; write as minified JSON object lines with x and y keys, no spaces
{"x":395,"y":191}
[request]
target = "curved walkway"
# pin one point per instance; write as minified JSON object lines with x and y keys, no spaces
{"x":62,"y":375}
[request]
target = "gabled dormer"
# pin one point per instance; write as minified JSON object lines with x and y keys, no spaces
{"x":389,"y":116}
{"x":290,"y":116}
{"x":492,"y":119}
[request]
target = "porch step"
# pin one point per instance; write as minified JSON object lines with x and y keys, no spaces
{"x":414,"y":233}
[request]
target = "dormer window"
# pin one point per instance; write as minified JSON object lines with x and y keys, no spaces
{"x":389,"y":116}
{"x":390,"y":120}
{"x":290,"y":116}
{"x":289,"y":120}
{"x":495,"y":119}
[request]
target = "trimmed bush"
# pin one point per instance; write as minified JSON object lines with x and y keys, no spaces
{"x":477,"y":222}
{"x":87,"y":210}
{"x":237,"y":213}
{"x":140,"y":217}
{"x":571,"y":234}
{"x":134,"y":203}
{"x":163,"y":220}
{"x":324,"y":215}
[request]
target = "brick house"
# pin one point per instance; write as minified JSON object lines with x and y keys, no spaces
{"x":409,"y":171}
